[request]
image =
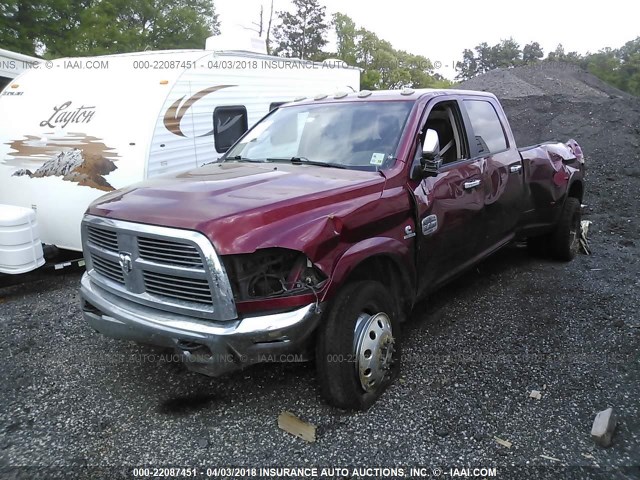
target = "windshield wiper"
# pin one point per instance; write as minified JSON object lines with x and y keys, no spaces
{"x":240,"y":158}
{"x":306,"y":161}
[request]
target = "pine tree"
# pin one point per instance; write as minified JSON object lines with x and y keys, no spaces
{"x":347,"y":36}
{"x":468,"y":67}
{"x":302,"y":34}
{"x":532,"y":52}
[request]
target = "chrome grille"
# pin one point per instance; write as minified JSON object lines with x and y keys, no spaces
{"x":166,"y":251}
{"x":168,"y":269}
{"x":195,"y":290}
{"x":103,"y":238}
{"x":109,"y":268}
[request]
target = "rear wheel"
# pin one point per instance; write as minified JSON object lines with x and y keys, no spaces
{"x":565,"y":240}
{"x":358,"y":354}
{"x":563,"y":243}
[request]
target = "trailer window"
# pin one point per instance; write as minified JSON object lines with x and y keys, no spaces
{"x":229,"y":123}
{"x":488,"y":131}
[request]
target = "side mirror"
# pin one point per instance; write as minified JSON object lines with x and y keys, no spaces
{"x":430,"y":161}
{"x":431,"y":146}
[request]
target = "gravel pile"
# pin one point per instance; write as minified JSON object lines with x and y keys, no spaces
{"x":543,"y":78}
{"x":473,"y":354}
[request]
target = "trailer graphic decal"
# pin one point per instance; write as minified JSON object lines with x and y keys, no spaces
{"x":76,"y":157}
{"x":176,"y":111}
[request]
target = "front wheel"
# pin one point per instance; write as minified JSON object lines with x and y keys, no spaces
{"x":358,"y":353}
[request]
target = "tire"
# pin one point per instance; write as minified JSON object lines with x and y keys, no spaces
{"x":360,"y":334}
{"x":564,"y":242}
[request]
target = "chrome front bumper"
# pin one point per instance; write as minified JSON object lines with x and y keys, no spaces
{"x":212,"y":348}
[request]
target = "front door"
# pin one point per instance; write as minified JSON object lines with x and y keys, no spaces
{"x":449,"y":205}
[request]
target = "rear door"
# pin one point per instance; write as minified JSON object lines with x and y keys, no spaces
{"x":502,"y":181}
{"x":449,"y":205}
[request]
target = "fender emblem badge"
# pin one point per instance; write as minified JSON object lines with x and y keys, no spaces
{"x":408,"y":232}
{"x":429,"y":224}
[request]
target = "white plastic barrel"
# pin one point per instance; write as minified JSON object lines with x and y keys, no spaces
{"x":20,"y":246}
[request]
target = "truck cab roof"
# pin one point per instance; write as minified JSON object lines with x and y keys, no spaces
{"x":407,"y":94}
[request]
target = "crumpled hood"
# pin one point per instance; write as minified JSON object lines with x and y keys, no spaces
{"x":244,"y":206}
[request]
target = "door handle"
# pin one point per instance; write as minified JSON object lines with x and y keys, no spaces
{"x":471,"y":184}
{"x":515,"y":168}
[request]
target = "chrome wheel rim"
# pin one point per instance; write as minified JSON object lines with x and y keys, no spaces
{"x":374,"y":347}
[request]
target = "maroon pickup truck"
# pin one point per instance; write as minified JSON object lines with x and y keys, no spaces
{"x":317,"y":232}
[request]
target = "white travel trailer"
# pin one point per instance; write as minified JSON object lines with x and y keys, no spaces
{"x":13,"y":64}
{"x":73,"y":129}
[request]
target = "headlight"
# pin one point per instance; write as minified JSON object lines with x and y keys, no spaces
{"x":272,"y":272}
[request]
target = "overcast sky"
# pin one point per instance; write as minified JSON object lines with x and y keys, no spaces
{"x":440,"y":33}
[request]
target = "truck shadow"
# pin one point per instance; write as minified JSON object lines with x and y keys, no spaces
{"x":474,"y":281}
{"x":177,"y":392}
{"x":285,"y":383}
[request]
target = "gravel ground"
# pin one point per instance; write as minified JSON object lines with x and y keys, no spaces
{"x":472,"y":354}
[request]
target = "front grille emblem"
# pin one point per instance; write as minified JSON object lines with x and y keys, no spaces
{"x":124,"y":259}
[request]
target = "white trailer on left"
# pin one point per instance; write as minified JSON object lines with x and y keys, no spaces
{"x":74,"y":129}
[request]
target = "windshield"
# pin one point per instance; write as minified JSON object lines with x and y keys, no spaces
{"x":358,"y":135}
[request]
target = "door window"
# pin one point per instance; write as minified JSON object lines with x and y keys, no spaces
{"x":445,"y":119}
{"x":488,"y":131}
